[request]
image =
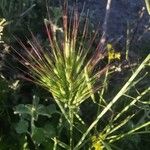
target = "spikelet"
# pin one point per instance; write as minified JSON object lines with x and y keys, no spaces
{"x":2,"y":24}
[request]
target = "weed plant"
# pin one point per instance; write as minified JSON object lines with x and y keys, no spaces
{"x":68,"y":70}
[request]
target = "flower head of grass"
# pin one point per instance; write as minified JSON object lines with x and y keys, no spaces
{"x":65,"y":69}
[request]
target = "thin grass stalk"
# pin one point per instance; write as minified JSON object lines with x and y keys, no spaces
{"x":128,"y":41}
{"x":107,"y":146}
{"x":122,"y":123}
{"x":79,"y":118}
{"x":55,"y":144}
{"x":62,"y":110}
{"x":71,"y":117}
{"x":105,"y":24}
{"x":50,"y":37}
{"x":115,"y":99}
{"x":101,"y":93}
{"x":130,"y":132}
{"x":132,"y":103}
{"x":61,"y":144}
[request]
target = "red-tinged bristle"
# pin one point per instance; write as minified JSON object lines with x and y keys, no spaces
{"x":65,"y":20}
{"x":83,"y":34}
{"x":35,"y":50}
{"x":75,"y":26}
{"x":96,"y":58}
{"x":27,"y":49}
{"x":65,"y":25}
{"x":29,"y":79}
{"x":40,"y":51}
{"x":70,"y":23}
{"x":94,"y":37}
{"x":36,"y":42}
{"x":50,"y":37}
{"x":49,"y":33}
{"x":102,"y":71}
{"x":25,"y":60}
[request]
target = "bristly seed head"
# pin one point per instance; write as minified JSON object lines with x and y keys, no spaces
{"x":65,"y":70}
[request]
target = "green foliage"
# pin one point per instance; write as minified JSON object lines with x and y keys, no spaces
{"x":29,"y":114}
{"x":35,"y":109}
{"x":22,"y":126}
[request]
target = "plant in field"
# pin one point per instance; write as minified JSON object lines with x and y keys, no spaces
{"x":64,"y":69}
{"x":70,"y":74}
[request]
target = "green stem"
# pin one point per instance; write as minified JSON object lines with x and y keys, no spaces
{"x":128,"y":41}
{"x":71,"y":117}
{"x":32,"y":124}
{"x":60,"y":143}
{"x":55,"y":144}
{"x":103,"y":90}
{"x":133,"y":131}
{"x":62,"y":109}
{"x":33,"y":128}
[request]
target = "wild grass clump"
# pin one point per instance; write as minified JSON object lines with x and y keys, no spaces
{"x":63,"y":69}
{"x":67,"y":71}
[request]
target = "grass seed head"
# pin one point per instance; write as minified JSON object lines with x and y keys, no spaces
{"x":65,"y":69}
